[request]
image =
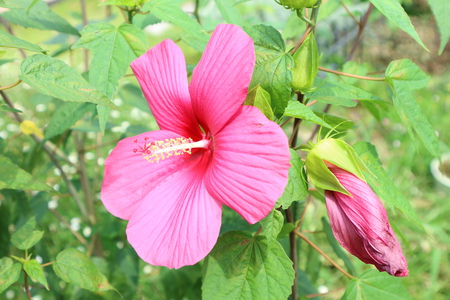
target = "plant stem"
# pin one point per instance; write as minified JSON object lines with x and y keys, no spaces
{"x":293,"y":251}
{"x":351,"y":75}
{"x":350,"y":13}
{"x":303,"y":237}
{"x":361,"y":27}
{"x":26,"y":286}
{"x":85,"y":22}
{"x":2,"y":88}
{"x":47,"y":264}
{"x":67,"y":225}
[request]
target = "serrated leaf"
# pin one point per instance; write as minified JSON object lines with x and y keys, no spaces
{"x":301,"y":111}
{"x":66,"y":116}
{"x":170,"y":11}
{"x":375,"y":285}
{"x":9,"y":273}
{"x":408,"y":73}
{"x":339,"y":93}
{"x":337,"y":248}
{"x":297,"y":187}
{"x":26,"y":237}
{"x":10,"y":41}
{"x":259,"y":98}
{"x":229,"y":11}
{"x":396,"y":14}
{"x":73,"y":266}
{"x":113,"y":49}
{"x":245,"y":267}
{"x":273,"y":68}
{"x":272,"y":224}
{"x":441,"y":11}
{"x":35,"y":271}
{"x":53,"y":77}
{"x":381,"y":183}
{"x":37,"y":15}
{"x":13,"y":177}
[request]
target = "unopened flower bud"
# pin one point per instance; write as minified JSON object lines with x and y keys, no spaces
{"x":306,"y":64}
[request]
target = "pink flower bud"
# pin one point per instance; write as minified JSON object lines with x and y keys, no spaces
{"x":360,"y":224}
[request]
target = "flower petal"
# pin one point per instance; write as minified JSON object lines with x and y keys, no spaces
{"x":220,"y":81}
{"x":178,"y":223}
{"x":129,"y":177}
{"x":161,"y":72}
{"x":250,"y":164}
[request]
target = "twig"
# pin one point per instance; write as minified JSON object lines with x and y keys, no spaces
{"x":307,"y":31}
{"x":293,"y":250}
{"x":10,"y":86}
{"x":350,"y":13}
{"x":361,"y":27}
{"x":67,"y":225}
{"x":351,"y":75}
{"x":85,"y":22}
{"x":303,"y":237}
{"x":302,"y":217}
{"x":26,"y":286}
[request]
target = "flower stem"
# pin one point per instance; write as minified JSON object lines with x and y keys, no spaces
{"x":351,"y":75}
{"x":303,"y":237}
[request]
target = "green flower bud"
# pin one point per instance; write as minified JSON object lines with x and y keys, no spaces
{"x":298,"y":4}
{"x":306,"y":64}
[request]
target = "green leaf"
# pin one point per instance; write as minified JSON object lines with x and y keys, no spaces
{"x":229,"y":11}
{"x":272,"y":225}
{"x":113,"y":49}
{"x":375,"y":285}
{"x":37,"y":15}
{"x":9,"y":273}
{"x":336,"y":247}
{"x":130,"y":3}
{"x":396,"y":14}
{"x":35,"y":271}
{"x":408,"y":73}
{"x":72,"y":266}
{"x":297,"y":185}
{"x":4,"y":107}
{"x":245,"y":267}
{"x":66,"y":116}
{"x":339,"y":126}
{"x":11,"y":4}
{"x":273,"y":68}
{"x":51,"y":76}
{"x":441,"y":11}
{"x":10,"y":41}
{"x":381,"y":183}
{"x":339,"y":93}
{"x":13,"y":177}
{"x":26,"y":237}
{"x":301,"y":111}
{"x":259,"y":98}
{"x":170,"y":11}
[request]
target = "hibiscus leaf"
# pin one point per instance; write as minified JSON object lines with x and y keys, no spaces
{"x":113,"y":49}
{"x":375,"y":285}
{"x":245,"y":267}
{"x":35,"y":271}
{"x":9,"y":273}
{"x":37,"y":15}
{"x":73,"y":266}
{"x":297,"y":186}
{"x":26,"y":237}
{"x":10,"y":41}
{"x":229,"y":11}
{"x":259,"y":98}
{"x":13,"y":177}
{"x":381,"y":183}
{"x":301,"y":111}
{"x":397,"y":15}
{"x":272,"y":224}
{"x":273,"y":68}
{"x":441,"y":10}
{"x":53,"y":77}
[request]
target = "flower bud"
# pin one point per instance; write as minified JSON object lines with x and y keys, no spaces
{"x":306,"y":64}
{"x":298,"y":4}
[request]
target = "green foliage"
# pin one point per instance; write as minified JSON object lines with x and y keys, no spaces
{"x":261,"y":99}
{"x":396,"y":14}
{"x":35,"y":271}
{"x":10,"y":41}
{"x":441,"y":10}
{"x":374,"y":285}
{"x":73,"y":266}
{"x":299,"y":110}
{"x":306,"y":64}
{"x":13,"y":177}
{"x":9,"y":273}
{"x":245,"y":267}
{"x":273,"y":69}
{"x":26,"y":237}
{"x":229,"y":11}
{"x":272,"y":225}
{"x":297,"y":185}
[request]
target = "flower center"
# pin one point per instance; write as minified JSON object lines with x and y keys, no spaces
{"x":159,"y":150}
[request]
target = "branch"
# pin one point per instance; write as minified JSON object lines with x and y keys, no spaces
{"x":361,"y":27}
{"x":351,"y":75}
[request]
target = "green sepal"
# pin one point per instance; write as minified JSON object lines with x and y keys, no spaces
{"x":341,"y":154}
{"x":320,"y":176}
{"x":306,"y":64}
{"x":260,"y":98}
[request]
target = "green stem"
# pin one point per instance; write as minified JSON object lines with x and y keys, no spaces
{"x":2,"y":88}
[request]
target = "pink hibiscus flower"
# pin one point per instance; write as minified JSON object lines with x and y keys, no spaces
{"x":360,"y":224}
{"x":211,"y":150}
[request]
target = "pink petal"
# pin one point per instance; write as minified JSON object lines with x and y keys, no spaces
{"x":249,"y":168}
{"x":178,"y":223}
{"x":366,"y":217}
{"x":220,"y":81}
{"x":129,"y":177}
{"x":161,"y":72}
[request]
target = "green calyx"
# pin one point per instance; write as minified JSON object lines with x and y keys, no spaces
{"x":338,"y":153}
{"x":298,"y":4}
{"x":306,"y":64}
